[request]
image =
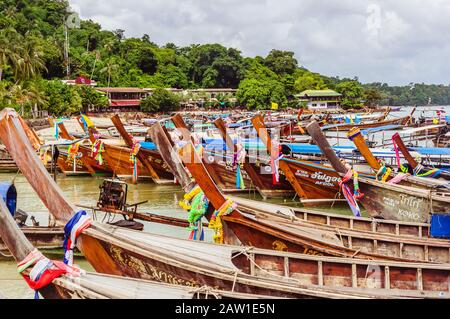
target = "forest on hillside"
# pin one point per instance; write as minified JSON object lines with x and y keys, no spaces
{"x":32,"y":63}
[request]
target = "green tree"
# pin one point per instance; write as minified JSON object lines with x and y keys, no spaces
{"x":30,"y":61}
{"x":259,"y":94}
{"x":309,"y":81}
{"x":90,"y":98}
{"x":8,"y":55}
{"x":110,"y":70}
{"x":352,"y":94}
{"x":161,"y":100}
{"x":372,"y":96}
{"x":281,"y":62}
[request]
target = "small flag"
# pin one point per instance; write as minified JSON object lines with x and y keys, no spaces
{"x":274,"y":106}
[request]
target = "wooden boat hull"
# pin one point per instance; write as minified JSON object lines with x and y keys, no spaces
{"x":317,"y":181}
{"x":42,"y":237}
{"x":118,"y":159}
{"x":224,"y":174}
{"x":400,"y":121}
{"x":298,"y":270}
{"x":91,"y":163}
{"x":158,"y":164}
{"x":66,"y":165}
{"x":389,"y":201}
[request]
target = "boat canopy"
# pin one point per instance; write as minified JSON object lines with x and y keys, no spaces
{"x":431,"y":150}
{"x":420,"y":129}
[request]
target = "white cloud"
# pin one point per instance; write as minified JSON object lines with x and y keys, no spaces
{"x":406,"y":42}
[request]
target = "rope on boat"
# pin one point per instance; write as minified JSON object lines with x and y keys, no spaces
{"x":206,"y":290}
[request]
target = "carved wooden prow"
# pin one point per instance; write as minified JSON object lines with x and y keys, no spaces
{"x":12,"y":236}
{"x":402,"y":147}
{"x":18,"y":245}
{"x":165,"y":146}
{"x":129,"y":142}
{"x":32,"y":135}
{"x":64,"y":133}
{"x":220,"y":124}
{"x":15,"y":139}
{"x":80,"y":122}
{"x":358,"y":139}
{"x":182,"y":127}
{"x":386,"y":114}
{"x":263,"y":133}
{"x":319,"y":138}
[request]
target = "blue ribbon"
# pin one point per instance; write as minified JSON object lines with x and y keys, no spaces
{"x":68,"y":230}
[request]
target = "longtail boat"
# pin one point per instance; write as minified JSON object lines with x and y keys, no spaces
{"x":88,"y":285}
{"x":42,"y":237}
{"x":310,"y":180}
{"x":221,"y":171}
{"x":417,"y":168}
{"x":115,"y":159}
{"x":256,"y":170}
{"x":345,"y":127}
{"x":410,"y":199}
{"x":274,"y":233}
{"x":150,"y":158}
{"x":130,"y":253}
{"x":136,"y":254}
{"x":384,"y":200}
{"x":83,"y":153}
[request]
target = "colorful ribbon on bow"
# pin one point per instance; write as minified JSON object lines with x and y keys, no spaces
{"x":196,"y":203}
{"x":58,"y":121}
{"x":74,"y":227}
{"x":384,"y":172}
{"x":216,"y":222}
{"x":349,"y":196}
{"x":44,"y":271}
{"x":133,"y":159}
{"x":97,"y":150}
{"x":238,"y":162}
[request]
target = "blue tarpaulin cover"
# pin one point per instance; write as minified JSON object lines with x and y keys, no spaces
{"x":219,"y":145}
{"x":148,"y":146}
{"x":301,"y":148}
{"x":9,"y":194}
{"x":431,"y":150}
{"x":440,"y":226}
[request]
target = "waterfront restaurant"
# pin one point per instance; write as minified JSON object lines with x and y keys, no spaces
{"x":320,"y":99}
{"x":122,"y":99}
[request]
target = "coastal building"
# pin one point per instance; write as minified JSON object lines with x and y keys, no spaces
{"x":124,"y":98}
{"x":320,"y":99}
{"x":80,"y":81}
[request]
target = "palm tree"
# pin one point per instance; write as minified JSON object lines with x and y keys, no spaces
{"x":8,"y":54}
{"x":109,"y":69}
{"x":30,"y":62}
{"x":27,"y":93}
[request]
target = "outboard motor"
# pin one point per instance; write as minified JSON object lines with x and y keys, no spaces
{"x":9,"y":194}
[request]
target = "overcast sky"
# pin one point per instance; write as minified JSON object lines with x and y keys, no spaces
{"x":393,"y":41}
